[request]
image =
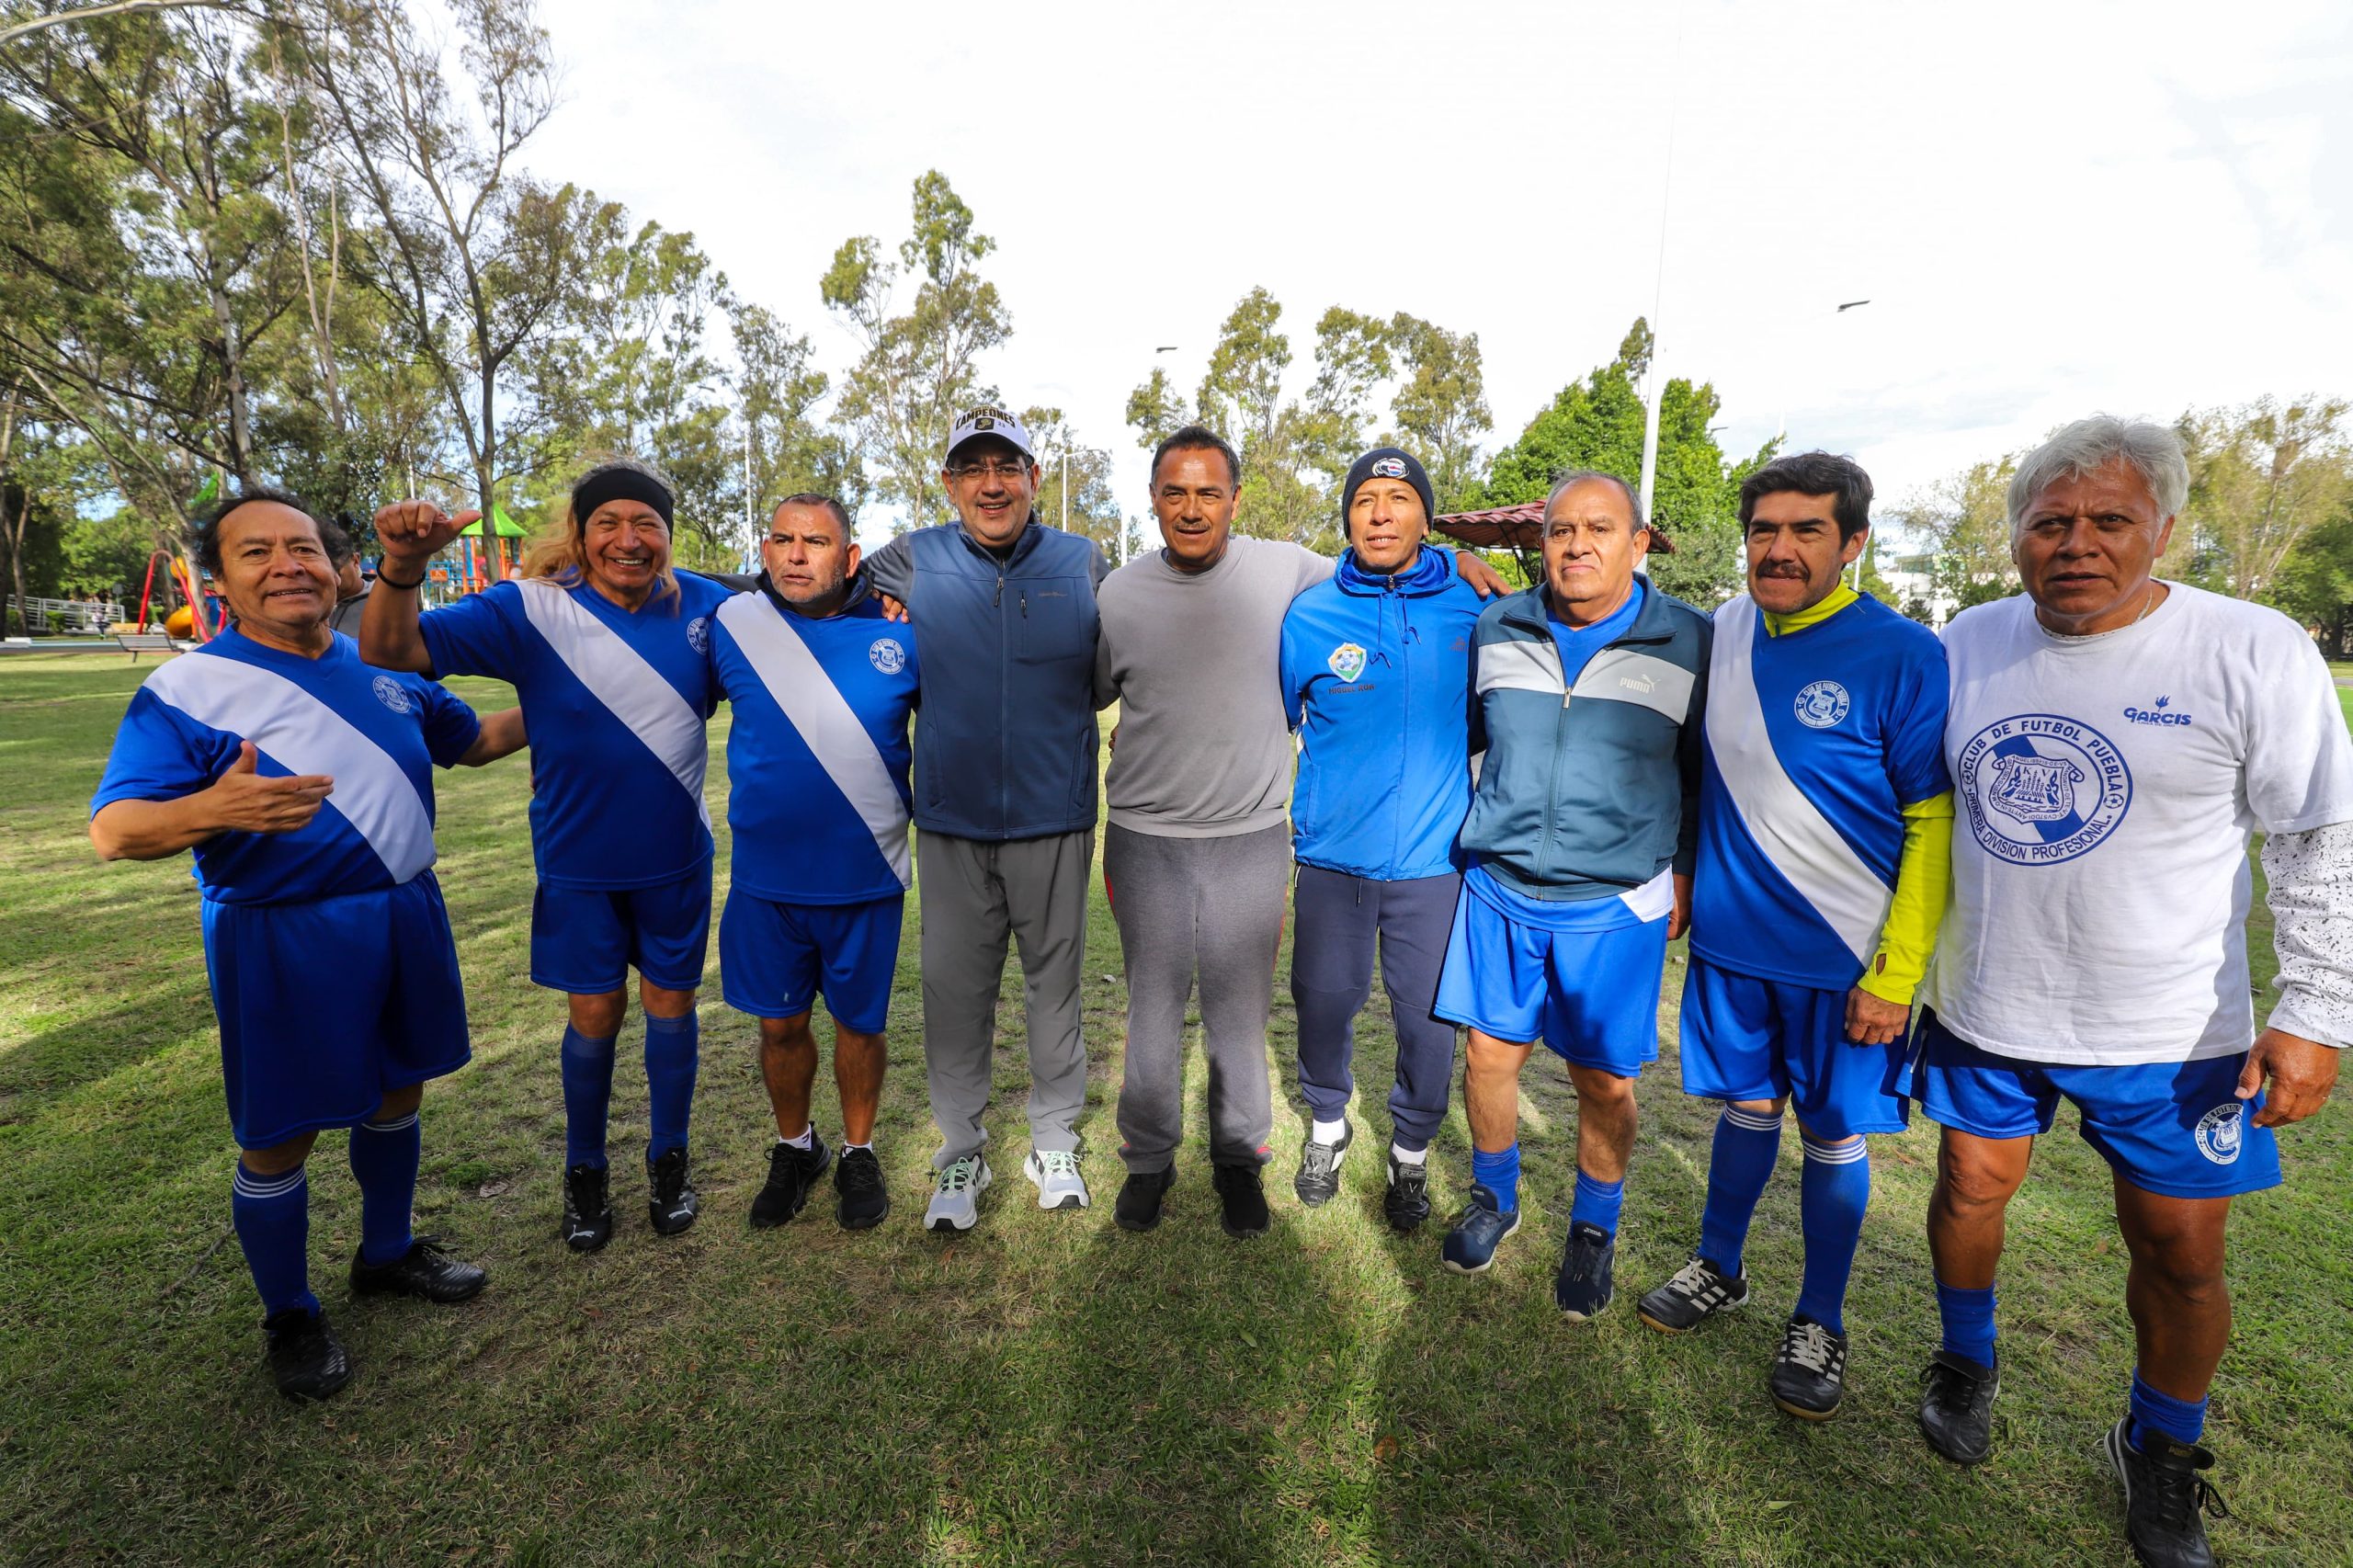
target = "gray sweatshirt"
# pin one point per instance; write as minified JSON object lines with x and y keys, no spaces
{"x":1194,"y":661}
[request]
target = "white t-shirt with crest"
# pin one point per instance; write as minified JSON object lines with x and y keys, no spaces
{"x":2107,"y":789}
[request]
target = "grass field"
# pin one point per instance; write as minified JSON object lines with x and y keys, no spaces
{"x":1046,"y":1390}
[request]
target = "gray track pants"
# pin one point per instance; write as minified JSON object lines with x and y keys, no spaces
{"x":1211,"y":907}
{"x":975,"y":893}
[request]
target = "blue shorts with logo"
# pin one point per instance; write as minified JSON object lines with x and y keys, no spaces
{"x":2176,"y":1129}
{"x":1590,"y":992}
{"x":326,"y":1006}
{"x":774,"y":959}
{"x":1746,"y":1039}
{"x":584,"y":941}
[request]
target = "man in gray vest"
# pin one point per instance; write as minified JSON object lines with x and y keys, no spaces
{"x":1004,"y":797}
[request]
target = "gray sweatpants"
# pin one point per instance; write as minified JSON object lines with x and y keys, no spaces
{"x":975,"y":893}
{"x":1211,"y":907}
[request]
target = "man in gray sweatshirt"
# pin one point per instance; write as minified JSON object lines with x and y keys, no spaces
{"x":1198,"y":854}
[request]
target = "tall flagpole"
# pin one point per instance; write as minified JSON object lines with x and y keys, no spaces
{"x":1653,"y":383}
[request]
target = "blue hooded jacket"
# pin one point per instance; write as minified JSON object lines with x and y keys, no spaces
{"x":1375,"y":673}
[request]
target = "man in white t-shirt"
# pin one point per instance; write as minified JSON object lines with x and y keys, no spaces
{"x":2114,"y":739}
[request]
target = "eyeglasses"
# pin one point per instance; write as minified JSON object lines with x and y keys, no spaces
{"x":1007,"y":470}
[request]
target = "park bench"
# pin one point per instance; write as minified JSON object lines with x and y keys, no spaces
{"x":137,"y":642}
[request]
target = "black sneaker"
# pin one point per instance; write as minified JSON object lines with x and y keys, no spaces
{"x":861,"y":1201}
{"x":425,"y":1271}
{"x":587,"y":1209}
{"x":672,"y":1204}
{"x":792,"y":1173}
{"x":1957,"y":1406}
{"x":1138,"y":1207}
{"x":1810,"y":1370}
{"x":1696,"y":1291}
{"x":2164,"y":1493}
{"x":305,"y":1357}
{"x":1581,"y":1290}
{"x":1318,"y":1181}
{"x":1242,"y":1200}
{"x":1407,"y":1202}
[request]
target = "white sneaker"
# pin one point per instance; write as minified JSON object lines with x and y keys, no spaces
{"x":955,"y":1201}
{"x":1054,"y":1173}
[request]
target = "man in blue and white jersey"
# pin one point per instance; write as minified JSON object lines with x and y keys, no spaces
{"x":607,"y":648}
{"x":817,"y":794}
{"x":1825,"y":826}
{"x":303,"y":781}
{"x":1589,"y":692}
{"x":1376,"y":672}
{"x":2114,"y":741}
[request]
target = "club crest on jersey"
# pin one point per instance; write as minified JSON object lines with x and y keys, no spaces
{"x":392,"y":694}
{"x":2221,"y":1132}
{"x":1823,"y":704}
{"x":699,"y":634}
{"x":1346,"y":661}
{"x":887,"y":655}
{"x":2042,"y":787}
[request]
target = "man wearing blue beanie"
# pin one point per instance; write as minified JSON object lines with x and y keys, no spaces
{"x":1376,"y":668}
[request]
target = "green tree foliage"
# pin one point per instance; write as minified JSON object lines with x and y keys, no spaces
{"x":778,"y":387}
{"x":2262,"y":477}
{"x":1597,"y":423}
{"x":918,"y":367}
{"x":1295,"y":451}
{"x":1962,"y":523}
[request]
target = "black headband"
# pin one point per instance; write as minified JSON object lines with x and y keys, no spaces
{"x":600,"y":486}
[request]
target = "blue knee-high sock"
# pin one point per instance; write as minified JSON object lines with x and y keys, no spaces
{"x":1836,"y":1189}
{"x":1598,"y":1202}
{"x":1968,"y":1319}
{"x":1500,"y":1174}
{"x":272,"y":1214}
{"x":1738,"y":1169}
{"x":673,"y":1050}
{"x":588,"y":1096}
{"x":2154,"y":1411}
{"x":383,"y":1162}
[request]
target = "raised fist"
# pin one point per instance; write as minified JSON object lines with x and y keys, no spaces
{"x":414,"y":531}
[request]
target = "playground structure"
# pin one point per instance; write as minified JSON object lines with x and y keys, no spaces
{"x":484,"y":555}
{"x":191,"y":617}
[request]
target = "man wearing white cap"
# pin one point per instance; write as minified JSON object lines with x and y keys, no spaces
{"x":1005,"y":795}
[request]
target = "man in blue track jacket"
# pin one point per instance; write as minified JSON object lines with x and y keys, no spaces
{"x":1375,"y":671}
{"x":1589,"y":691}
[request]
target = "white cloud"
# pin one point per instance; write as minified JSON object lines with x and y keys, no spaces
{"x":2053,"y":207}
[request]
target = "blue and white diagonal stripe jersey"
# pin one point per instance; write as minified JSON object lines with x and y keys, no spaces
{"x":377,"y":733}
{"x":817,"y":755}
{"x":1816,"y":740}
{"x":616,"y":702}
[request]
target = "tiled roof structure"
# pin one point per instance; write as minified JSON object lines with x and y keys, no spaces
{"x":1516,"y":528}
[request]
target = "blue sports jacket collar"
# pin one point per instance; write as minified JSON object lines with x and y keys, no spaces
{"x":1431,"y":572}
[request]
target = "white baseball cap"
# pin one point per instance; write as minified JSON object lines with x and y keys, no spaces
{"x":990,"y":420}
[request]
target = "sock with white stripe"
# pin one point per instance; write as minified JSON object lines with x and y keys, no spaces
{"x":1738,"y":1170}
{"x":588,"y":1064}
{"x":272,"y":1214}
{"x":1835,"y":1192}
{"x":673,"y":1050}
{"x":383,"y":1162}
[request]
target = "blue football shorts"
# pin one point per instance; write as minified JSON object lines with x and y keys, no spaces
{"x":2176,"y":1129}
{"x":1747,"y":1039}
{"x":1591,"y":994}
{"x":776,"y":959}
{"x":326,"y":1006}
{"x":584,"y":941}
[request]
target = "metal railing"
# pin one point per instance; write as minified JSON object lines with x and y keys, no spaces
{"x":44,"y":617}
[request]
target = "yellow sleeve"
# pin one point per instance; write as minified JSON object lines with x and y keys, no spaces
{"x":1923,"y":884}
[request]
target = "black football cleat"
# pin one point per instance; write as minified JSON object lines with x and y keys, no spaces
{"x":1957,"y":1406}
{"x":587,"y":1209}
{"x":1694,"y":1293}
{"x":1809,"y":1377}
{"x":672,"y":1204}
{"x":305,"y":1357}
{"x":425,"y":1271}
{"x":2164,"y":1491}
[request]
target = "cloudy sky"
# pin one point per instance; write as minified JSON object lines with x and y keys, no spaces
{"x":2053,"y":208}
